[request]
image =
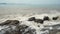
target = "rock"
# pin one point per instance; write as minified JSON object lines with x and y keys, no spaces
{"x":24,"y":29}
{"x":55,"y":18}
{"x":39,"y":21}
{"x":6,"y":22}
{"x":31,"y":19}
{"x":12,"y":32}
{"x":46,"y":18}
{"x":21,"y":28}
{"x":31,"y":31}
{"x":12,"y":22}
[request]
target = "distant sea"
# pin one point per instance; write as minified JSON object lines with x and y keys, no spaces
{"x":52,"y":6}
{"x":32,"y":8}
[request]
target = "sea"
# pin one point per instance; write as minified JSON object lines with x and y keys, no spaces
{"x":23,"y":12}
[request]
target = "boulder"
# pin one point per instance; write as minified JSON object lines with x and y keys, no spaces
{"x":39,"y":21}
{"x":31,"y":19}
{"x":55,"y":18}
{"x":46,"y":18}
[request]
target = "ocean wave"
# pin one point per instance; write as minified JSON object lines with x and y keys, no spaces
{"x":45,"y":28}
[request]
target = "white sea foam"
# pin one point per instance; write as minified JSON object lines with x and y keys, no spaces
{"x":32,"y":24}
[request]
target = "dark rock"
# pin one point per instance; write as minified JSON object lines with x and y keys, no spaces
{"x":21,"y":28}
{"x":12,"y":32}
{"x":38,"y":26}
{"x":12,"y":22}
{"x":39,"y":21}
{"x":46,"y":18}
{"x":30,"y":31}
{"x":31,"y":19}
{"x":6,"y":22}
{"x":55,"y":18}
{"x":6,"y":32}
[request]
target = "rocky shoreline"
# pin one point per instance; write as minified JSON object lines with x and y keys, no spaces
{"x":31,"y":25}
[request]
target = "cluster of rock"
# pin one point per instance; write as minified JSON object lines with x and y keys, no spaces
{"x":46,"y":18}
{"x":13,"y":27}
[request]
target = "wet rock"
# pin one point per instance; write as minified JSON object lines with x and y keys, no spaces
{"x":21,"y":28}
{"x":12,"y":32}
{"x":6,"y":22}
{"x":46,"y":18}
{"x":30,"y":31}
{"x":39,"y":21}
{"x":12,"y":22}
{"x":6,"y":32}
{"x":31,"y":19}
{"x":55,"y":18}
{"x":24,"y":29}
{"x":38,"y":25}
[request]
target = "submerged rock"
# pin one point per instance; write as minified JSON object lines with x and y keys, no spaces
{"x":31,"y":19}
{"x":55,"y":18}
{"x":12,"y":22}
{"x":46,"y":18}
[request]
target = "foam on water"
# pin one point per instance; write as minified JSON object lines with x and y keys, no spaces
{"x":32,"y":24}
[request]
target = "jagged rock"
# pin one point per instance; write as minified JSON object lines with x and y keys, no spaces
{"x":39,"y":21}
{"x":12,"y":22}
{"x":46,"y":18}
{"x":31,"y":19}
{"x":55,"y":18}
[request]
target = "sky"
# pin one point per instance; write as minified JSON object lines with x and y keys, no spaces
{"x":31,"y":1}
